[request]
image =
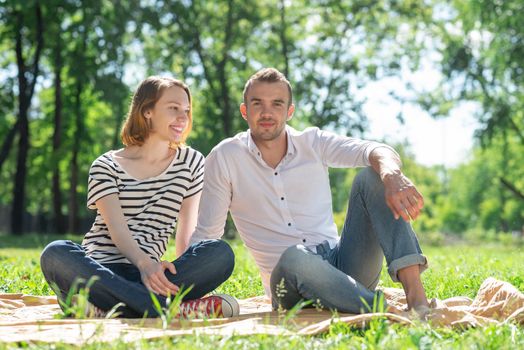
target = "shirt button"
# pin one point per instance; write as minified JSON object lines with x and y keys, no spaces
{"x":281,"y":198}
{"x":289,"y":224}
{"x":276,"y":173}
{"x":304,"y":240}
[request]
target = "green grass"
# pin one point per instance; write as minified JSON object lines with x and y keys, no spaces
{"x":457,"y":269}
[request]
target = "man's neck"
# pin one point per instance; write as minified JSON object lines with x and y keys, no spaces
{"x":273,"y":151}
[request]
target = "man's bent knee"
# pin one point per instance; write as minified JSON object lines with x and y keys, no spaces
{"x":293,"y":257}
{"x":292,"y":263}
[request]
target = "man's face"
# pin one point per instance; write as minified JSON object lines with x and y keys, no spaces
{"x":266,"y":110}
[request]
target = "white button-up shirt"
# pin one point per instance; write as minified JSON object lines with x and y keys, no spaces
{"x":274,"y":209}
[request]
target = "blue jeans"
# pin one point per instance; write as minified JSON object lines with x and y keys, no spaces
{"x":204,"y":266}
{"x":344,"y":278}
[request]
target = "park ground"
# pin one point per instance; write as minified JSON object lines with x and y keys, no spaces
{"x":456,"y":268}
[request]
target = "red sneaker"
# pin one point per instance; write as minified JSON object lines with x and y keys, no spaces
{"x":218,"y":305}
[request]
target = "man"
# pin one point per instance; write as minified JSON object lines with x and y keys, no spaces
{"x":274,"y":181}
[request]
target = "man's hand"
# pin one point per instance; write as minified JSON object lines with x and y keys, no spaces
{"x":402,"y":197}
{"x":154,"y":278}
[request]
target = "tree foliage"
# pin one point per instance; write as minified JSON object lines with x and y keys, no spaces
{"x":83,"y":58}
{"x":481,"y":43}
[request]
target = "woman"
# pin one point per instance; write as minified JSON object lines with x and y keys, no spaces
{"x":141,"y":192}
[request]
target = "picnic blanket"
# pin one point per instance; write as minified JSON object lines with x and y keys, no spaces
{"x":26,"y":318}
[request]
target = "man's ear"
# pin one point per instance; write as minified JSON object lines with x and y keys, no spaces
{"x":243,"y":110}
{"x":290,"y":111}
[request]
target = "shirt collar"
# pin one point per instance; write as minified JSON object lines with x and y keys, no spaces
{"x":251,"y":143}
{"x":291,"y":149}
{"x":290,"y":145}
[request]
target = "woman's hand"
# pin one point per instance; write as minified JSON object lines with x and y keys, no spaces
{"x":154,"y":278}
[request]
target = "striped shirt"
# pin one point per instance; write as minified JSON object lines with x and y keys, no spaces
{"x":150,"y":206}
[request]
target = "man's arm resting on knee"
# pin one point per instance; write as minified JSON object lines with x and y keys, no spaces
{"x":402,"y":197}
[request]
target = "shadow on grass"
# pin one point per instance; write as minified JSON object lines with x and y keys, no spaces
{"x":33,"y":240}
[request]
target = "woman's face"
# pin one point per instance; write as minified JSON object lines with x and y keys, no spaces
{"x":170,"y":115}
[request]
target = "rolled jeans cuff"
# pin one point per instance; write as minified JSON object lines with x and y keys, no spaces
{"x":405,"y":261}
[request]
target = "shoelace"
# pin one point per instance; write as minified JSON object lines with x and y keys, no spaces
{"x":205,"y":307}
{"x":97,"y":312}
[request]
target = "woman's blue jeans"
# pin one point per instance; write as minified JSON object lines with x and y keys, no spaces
{"x":204,"y":266}
{"x":344,"y":278}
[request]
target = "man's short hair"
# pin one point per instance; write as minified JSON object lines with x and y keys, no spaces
{"x":268,"y":75}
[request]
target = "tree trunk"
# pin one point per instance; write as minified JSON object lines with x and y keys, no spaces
{"x":222,"y":74}
{"x":516,"y":192}
{"x":58,"y":217}
{"x":226,"y":103}
{"x":504,"y":225}
{"x":8,"y":143}
{"x":26,"y":91}
{"x":73,"y":200}
{"x":283,"y":38}
{"x":17,"y":213}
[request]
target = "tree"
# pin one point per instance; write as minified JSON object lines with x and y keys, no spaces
{"x":483,"y":203}
{"x":58,"y":65}
{"x":328,"y":49}
{"x":482,"y":57}
{"x":83,"y":66}
{"x":26,"y":26}
{"x":210,"y":56}
{"x":98,"y":59}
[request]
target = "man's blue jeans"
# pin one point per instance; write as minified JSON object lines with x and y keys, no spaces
{"x":344,"y":278}
{"x":204,"y":266}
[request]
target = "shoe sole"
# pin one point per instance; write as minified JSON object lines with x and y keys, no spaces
{"x":230,"y":307}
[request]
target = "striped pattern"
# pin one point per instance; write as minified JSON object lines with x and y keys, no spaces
{"x":150,"y":206}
